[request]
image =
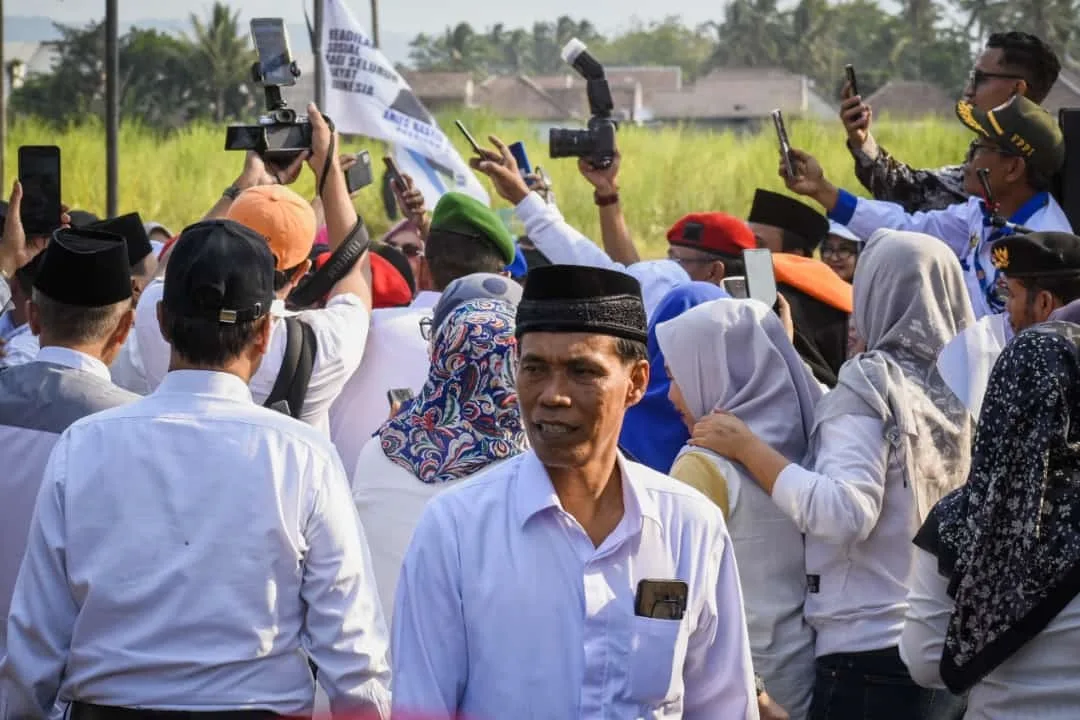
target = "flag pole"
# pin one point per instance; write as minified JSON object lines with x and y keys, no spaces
{"x":316,"y":47}
{"x":112,"y":106}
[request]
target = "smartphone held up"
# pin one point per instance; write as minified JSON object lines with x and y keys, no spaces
{"x":39,"y":175}
{"x":785,"y":145}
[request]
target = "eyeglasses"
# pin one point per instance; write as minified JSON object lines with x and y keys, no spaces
{"x":840,"y":252}
{"x":689,"y":261}
{"x":977,"y":145}
{"x":426,"y":325}
{"x":408,"y":250}
{"x":978,"y":77}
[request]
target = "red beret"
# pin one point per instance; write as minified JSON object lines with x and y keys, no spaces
{"x":713,"y":232}
{"x":388,"y":287}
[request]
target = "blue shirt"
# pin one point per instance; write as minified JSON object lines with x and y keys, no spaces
{"x":506,"y":609}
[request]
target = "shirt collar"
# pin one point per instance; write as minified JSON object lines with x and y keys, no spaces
{"x":206,"y":382}
{"x":73,"y":359}
{"x":535,"y":493}
{"x":426,"y":300}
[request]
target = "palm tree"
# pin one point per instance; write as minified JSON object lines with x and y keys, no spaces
{"x":221,"y":53}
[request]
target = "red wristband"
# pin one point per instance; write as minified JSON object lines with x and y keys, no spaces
{"x":605,"y":200}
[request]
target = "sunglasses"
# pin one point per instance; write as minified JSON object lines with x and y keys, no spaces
{"x":978,"y":77}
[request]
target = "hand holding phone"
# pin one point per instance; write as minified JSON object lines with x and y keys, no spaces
{"x":760,"y":279}
{"x":521,"y":158}
{"x":472,"y":141}
{"x":396,"y":181}
{"x":849,"y":70}
{"x":39,"y":175}
{"x":785,"y":146}
{"x":358,"y":175}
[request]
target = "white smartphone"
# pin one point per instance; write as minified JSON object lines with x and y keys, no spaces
{"x":760,"y":280}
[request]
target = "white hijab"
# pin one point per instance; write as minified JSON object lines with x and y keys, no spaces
{"x":733,"y":355}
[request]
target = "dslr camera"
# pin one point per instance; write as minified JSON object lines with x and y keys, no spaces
{"x":597,"y":142}
{"x":280,"y":134}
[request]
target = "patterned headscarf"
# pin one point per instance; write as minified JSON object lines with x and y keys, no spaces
{"x":467,"y":416}
{"x":910,"y":300}
{"x":1009,"y":540}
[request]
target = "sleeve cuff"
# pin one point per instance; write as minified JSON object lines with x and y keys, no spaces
{"x":845,"y":208}
{"x":787,"y":490}
{"x":530,"y":207}
{"x":868,"y":153}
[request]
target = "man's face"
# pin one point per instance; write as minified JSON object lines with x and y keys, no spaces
{"x":768,"y":236}
{"x":574,"y":390}
{"x":991,"y":82}
{"x":982,"y":154}
{"x":408,"y":242}
{"x":1027,"y":307}
{"x":701,"y":267}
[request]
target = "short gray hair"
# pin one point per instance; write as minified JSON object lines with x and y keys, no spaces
{"x":76,"y":325}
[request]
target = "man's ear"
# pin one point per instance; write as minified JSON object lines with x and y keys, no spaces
{"x":262,"y":334}
{"x":123,"y":328}
{"x":1015,"y":169}
{"x":717,"y":271}
{"x":161,"y":323}
{"x":1045,"y":303}
{"x":33,"y":318}
{"x":639,"y":382}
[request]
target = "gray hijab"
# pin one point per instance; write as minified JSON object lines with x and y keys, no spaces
{"x":733,"y":355}
{"x":910,"y":300}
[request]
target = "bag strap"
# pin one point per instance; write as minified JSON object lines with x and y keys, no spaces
{"x":290,"y":387}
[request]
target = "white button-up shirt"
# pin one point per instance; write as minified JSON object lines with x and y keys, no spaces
{"x":189,"y":551}
{"x":341,"y":330}
{"x":20,"y":346}
{"x":506,"y":609}
{"x":396,"y":356}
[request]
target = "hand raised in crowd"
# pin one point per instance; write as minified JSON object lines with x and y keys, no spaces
{"x":783,"y":309}
{"x":856,"y":116}
{"x":539,"y":182}
{"x":323,"y":141}
{"x":723,"y":433}
{"x":769,"y":710}
{"x":503,"y":171}
{"x":604,"y":180}
{"x":809,"y":179}
{"x":413,"y":205}
{"x":16,"y":250}
{"x":258,"y":172}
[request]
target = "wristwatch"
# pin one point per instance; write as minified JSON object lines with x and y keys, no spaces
{"x":232,"y":191}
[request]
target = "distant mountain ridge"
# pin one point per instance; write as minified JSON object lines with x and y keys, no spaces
{"x":36,"y":28}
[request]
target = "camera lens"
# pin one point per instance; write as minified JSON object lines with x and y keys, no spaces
{"x":570,"y":143}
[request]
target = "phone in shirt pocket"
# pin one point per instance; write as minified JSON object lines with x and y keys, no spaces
{"x":658,"y":641}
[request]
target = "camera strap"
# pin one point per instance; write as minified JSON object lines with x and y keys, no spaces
{"x":329,"y":158}
{"x":294,"y":376}
{"x":319,"y":283}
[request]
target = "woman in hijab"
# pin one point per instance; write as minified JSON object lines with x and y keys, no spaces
{"x":465,"y":418}
{"x":734,"y":355}
{"x":994,"y":605}
{"x":888,"y":442}
{"x":653,"y":432}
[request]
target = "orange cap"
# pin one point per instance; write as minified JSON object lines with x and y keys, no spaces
{"x":284,"y":218}
{"x":814,"y":278}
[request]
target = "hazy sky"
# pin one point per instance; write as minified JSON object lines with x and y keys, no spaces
{"x":398,"y":16}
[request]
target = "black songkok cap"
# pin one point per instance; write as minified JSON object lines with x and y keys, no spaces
{"x":85,"y":268}
{"x":789,"y":214}
{"x":221,"y":271}
{"x":1038,"y":254}
{"x":131,"y":228}
{"x":572,"y":298}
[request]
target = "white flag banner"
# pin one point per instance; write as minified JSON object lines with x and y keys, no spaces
{"x":365,"y":95}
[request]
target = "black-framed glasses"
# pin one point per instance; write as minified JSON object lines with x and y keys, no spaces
{"x":840,"y":252}
{"x":977,"y":77}
{"x":426,"y":326}
{"x":977,"y":145}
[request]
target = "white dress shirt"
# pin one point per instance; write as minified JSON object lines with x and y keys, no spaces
{"x":506,"y":609}
{"x":563,"y":245}
{"x":38,"y":401}
{"x":859,"y":517}
{"x":341,"y":330}
{"x":189,"y":551}
{"x":390,"y":501}
{"x":959,"y":226}
{"x":1039,"y":681}
{"x":21,"y":346}
{"x":396,"y":356}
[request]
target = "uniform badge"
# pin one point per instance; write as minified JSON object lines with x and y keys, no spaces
{"x":1000,"y":258}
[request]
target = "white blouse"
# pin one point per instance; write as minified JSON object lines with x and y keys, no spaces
{"x":1039,"y":681}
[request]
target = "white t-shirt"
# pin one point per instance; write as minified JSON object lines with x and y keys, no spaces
{"x":341,"y":330}
{"x":396,"y":357}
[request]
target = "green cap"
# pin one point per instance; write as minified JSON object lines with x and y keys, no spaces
{"x":1020,"y":127}
{"x":460,"y":213}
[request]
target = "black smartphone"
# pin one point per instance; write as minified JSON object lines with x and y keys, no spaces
{"x":39,"y":174}
{"x":394,"y":173}
{"x":272,"y":44}
{"x":760,"y":279}
{"x":470,"y":138}
{"x":785,"y":146}
{"x":359,"y":175}
{"x":735,"y":286}
{"x":399,"y":396}
{"x":850,"y":70}
{"x":661,"y":599}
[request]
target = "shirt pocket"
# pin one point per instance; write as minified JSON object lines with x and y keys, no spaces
{"x":657,"y":653}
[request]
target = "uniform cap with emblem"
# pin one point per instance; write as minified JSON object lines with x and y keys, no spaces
{"x":131,"y":228}
{"x":789,"y":214}
{"x":715,"y":232}
{"x":464,"y":215}
{"x":1019,"y":127}
{"x":220,"y":271}
{"x":84,"y":268}
{"x":1040,"y":254}
{"x":577,"y":299}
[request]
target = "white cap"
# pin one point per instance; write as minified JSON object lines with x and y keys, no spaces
{"x":839,"y":230}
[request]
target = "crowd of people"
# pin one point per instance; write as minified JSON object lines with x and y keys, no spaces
{"x":270,"y":463}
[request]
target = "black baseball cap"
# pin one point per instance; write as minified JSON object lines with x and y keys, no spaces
{"x":1038,"y":254}
{"x":220,"y":271}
